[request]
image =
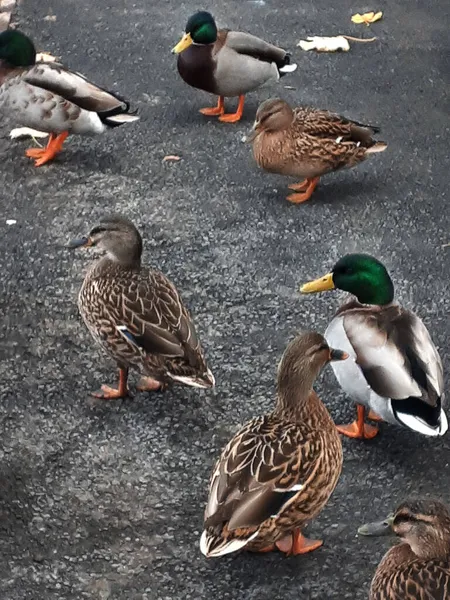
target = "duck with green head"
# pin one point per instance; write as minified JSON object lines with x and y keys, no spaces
{"x":227,"y":63}
{"x":49,"y":97}
{"x":395,"y":370}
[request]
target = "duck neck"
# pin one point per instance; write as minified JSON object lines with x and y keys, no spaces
{"x":295,"y":393}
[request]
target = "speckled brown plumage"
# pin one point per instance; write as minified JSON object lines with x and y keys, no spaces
{"x":418,"y":568}
{"x":136,"y":314}
{"x":253,"y":499}
{"x":306,"y":142}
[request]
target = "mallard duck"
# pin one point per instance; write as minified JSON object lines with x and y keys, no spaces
{"x":279,"y":470}
{"x":136,"y":314}
{"x":394,"y":369}
{"x":227,"y":63}
{"x":418,"y":568}
{"x":48,"y":97}
{"x":307,"y":142}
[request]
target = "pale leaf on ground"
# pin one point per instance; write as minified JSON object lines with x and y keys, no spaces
{"x":171,"y":157}
{"x":21,"y":132}
{"x":45,"y":57}
{"x":367,"y":18}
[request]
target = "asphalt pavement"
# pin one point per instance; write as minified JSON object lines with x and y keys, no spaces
{"x":105,"y":500}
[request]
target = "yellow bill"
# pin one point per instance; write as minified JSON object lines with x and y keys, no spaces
{"x":184,"y":43}
{"x":318,"y":285}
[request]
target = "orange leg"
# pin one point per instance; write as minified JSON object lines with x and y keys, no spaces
{"x":306,"y":195}
{"x":266,"y":549}
{"x":109,"y":393}
{"x":358,"y":429}
{"x":217,"y":111}
{"x":148,"y":384}
{"x":299,"y":187}
{"x":44,"y":155}
{"x":297,"y":544}
{"x":234,"y":117}
{"x":372,"y":416}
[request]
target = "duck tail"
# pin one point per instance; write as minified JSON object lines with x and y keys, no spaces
{"x":205,"y":380}
{"x":120,"y":114}
{"x":284,"y":67}
{"x":212,"y":545}
{"x":377,"y":147}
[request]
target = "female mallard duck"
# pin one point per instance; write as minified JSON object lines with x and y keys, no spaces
{"x":136,"y":314}
{"x":307,"y":142}
{"x":395,"y":369}
{"x":418,"y":568}
{"x":48,"y":97}
{"x":227,"y":63}
{"x":279,"y":470}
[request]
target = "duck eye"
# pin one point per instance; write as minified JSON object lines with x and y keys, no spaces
{"x":97,"y":230}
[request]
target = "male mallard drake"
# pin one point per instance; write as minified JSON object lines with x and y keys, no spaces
{"x":136,"y":314}
{"x":418,"y":568}
{"x":279,"y":470}
{"x":48,"y":97}
{"x":395,"y":369}
{"x":227,"y":63}
{"x":307,"y":142}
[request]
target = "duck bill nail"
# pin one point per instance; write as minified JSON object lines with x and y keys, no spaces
{"x":378,"y":528}
{"x":80,"y":243}
{"x":338,"y":354}
{"x":184,"y":43}
{"x":318,"y":285}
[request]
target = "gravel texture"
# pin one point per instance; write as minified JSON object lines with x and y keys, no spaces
{"x":105,"y":500}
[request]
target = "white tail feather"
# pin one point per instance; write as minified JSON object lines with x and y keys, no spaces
{"x":195,"y":381}
{"x":288,"y":68}
{"x":123,"y":118}
{"x":226,"y":548}
{"x":420,"y":426}
{"x":378,"y":147}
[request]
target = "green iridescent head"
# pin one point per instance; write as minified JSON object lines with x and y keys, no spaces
{"x":16,"y":49}
{"x":360,"y":274}
{"x":200,"y":29}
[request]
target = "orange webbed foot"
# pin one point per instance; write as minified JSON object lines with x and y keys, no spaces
{"x":215,"y":111}
{"x":148,"y":384}
{"x":311,"y":185}
{"x":355,"y":431}
{"x":234,"y":117}
{"x":266,"y":549}
{"x":45,"y":155}
{"x":109,"y":393}
{"x":297,"y":544}
{"x":299,"y":187}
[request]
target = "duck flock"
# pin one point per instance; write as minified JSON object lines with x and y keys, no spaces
{"x":279,"y":470}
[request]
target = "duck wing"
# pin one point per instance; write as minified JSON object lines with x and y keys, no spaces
{"x":154,"y":319}
{"x":396,"y":353}
{"x":250,"y":45}
{"x":75,"y":88}
{"x":325,"y":124}
{"x":265,"y":466}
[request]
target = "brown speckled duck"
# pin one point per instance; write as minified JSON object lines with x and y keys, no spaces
{"x":227,"y":63}
{"x":418,"y":568}
{"x":136,"y":314}
{"x":280,"y":469}
{"x":48,"y":97}
{"x":307,"y":143}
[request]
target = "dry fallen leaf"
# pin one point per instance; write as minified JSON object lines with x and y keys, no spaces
{"x":325,"y":44}
{"x":26,"y":132}
{"x":172,"y":157}
{"x":330,"y":44}
{"x":45,"y":57}
{"x":367,"y":18}
{"x":50,"y":18}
